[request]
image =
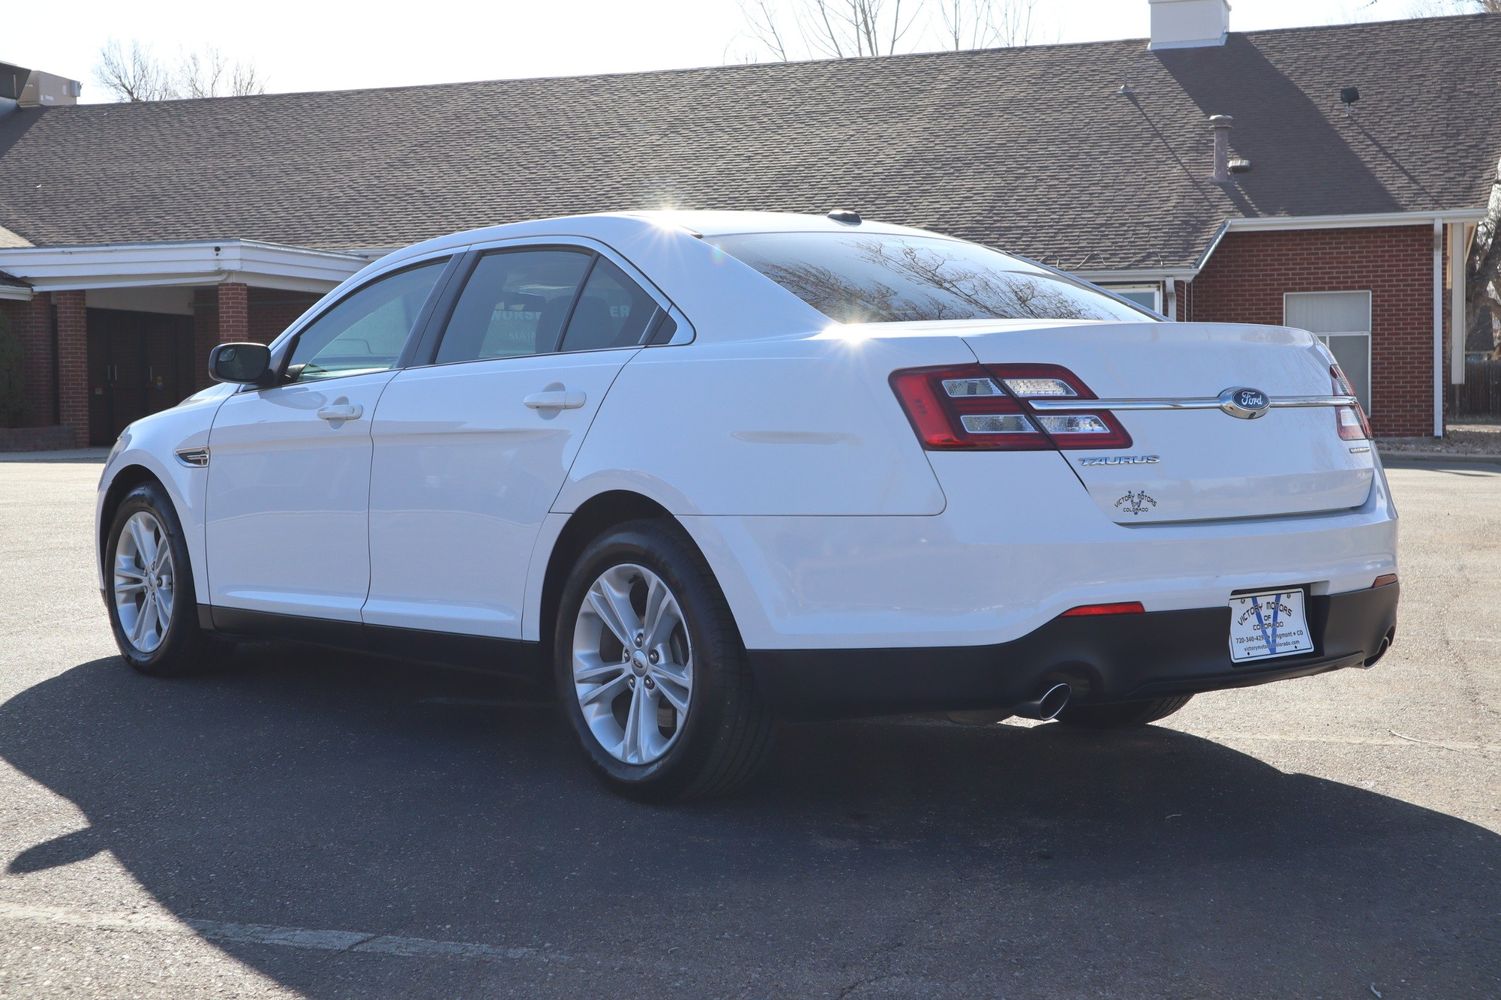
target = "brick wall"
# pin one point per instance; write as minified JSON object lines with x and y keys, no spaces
{"x":272,"y":311}
{"x":73,"y":364}
{"x":257,"y":314}
{"x":1246,"y":277}
{"x":31,"y":323}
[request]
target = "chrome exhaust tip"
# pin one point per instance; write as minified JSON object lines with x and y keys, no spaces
{"x":1047,"y":705}
{"x":1386,"y":643}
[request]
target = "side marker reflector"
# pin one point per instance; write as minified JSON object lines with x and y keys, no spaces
{"x":1384,"y":579}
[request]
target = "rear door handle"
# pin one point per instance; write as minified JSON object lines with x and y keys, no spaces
{"x":554,"y":399}
{"x":341,"y":410}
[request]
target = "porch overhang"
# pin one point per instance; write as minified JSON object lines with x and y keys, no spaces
{"x":199,"y":262}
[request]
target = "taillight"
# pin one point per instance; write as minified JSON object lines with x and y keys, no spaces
{"x":1350,"y":420}
{"x":989,"y":407}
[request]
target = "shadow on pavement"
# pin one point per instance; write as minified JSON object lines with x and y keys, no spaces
{"x":304,"y":789}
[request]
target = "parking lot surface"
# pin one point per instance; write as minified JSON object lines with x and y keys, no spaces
{"x":304,"y":823}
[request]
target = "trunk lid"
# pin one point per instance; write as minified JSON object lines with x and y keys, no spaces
{"x":1200,"y":464}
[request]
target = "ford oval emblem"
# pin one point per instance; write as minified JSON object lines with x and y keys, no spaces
{"x":1247,"y":404}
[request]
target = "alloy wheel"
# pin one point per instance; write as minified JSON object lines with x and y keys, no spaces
{"x":144,"y":581}
{"x":632,"y":664}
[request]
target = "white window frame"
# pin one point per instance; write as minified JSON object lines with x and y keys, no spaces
{"x":1366,"y":333}
{"x":1154,"y":287}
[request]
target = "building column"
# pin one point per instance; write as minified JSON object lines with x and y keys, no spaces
{"x":31,"y":324}
{"x":73,"y":364}
{"x":234,"y":313}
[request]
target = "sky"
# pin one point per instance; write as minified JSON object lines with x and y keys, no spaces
{"x":331,"y":46}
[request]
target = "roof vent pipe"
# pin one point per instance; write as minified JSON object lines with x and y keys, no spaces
{"x":1222,"y":125}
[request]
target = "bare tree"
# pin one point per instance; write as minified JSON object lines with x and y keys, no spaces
{"x":1440,"y":8}
{"x":136,"y":74}
{"x":842,"y":29}
{"x":211,"y":75}
{"x":977,"y":24}
{"x":1483,"y":275}
{"x":133,"y":75}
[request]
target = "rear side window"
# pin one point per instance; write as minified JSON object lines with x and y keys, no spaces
{"x":882,"y":278}
{"x":367,"y":329}
{"x":514,"y":304}
{"x":614,"y":311}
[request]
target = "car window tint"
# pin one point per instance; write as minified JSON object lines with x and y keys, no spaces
{"x":613,"y":311}
{"x":884,"y":278}
{"x":366,"y":330}
{"x":514,"y":304}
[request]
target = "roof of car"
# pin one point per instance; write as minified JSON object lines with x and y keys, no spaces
{"x":1090,"y":156}
{"x":607,"y":226}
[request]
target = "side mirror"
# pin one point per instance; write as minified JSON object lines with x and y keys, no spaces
{"x":247,"y":364}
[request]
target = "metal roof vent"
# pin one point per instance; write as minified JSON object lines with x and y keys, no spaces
{"x":31,"y":88}
{"x":1189,"y":24}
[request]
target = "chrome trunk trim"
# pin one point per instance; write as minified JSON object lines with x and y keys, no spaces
{"x":1186,"y":403}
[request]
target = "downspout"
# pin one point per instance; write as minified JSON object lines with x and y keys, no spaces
{"x":57,"y":389}
{"x":1458,"y":297}
{"x":1438,"y":328}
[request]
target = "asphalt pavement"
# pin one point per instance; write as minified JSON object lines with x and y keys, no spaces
{"x":308,"y":824}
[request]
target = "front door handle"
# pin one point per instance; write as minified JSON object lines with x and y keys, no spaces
{"x":341,"y":410}
{"x":554,"y":399}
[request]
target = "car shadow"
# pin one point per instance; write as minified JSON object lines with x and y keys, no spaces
{"x":303,"y":789}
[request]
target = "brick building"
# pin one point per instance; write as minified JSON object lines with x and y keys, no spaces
{"x":1327,"y":178}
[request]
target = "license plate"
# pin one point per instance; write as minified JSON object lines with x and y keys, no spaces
{"x":1263,"y":626}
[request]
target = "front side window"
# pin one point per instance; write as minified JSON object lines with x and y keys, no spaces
{"x":365,"y":331}
{"x":881,"y":278}
{"x":515,"y":304}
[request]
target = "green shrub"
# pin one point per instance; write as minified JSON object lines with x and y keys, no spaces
{"x":12,"y":405}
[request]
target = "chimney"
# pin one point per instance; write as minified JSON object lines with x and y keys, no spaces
{"x":1188,"y":24}
{"x":1222,"y":125}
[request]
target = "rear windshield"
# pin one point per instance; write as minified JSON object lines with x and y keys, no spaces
{"x":879,"y":278}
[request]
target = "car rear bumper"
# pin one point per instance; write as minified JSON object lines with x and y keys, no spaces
{"x":1104,"y":659}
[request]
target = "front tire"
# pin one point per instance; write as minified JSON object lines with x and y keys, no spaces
{"x":650,"y":669}
{"x":153,"y":608}
{"x":1125,"y":715}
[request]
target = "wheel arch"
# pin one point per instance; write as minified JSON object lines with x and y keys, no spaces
{"x":591,"y":518}
{"x":127,"y":478}
{"x":183,"y":489}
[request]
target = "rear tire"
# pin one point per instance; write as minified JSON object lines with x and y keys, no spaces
{"x":651,"y":672}
{"x":1124,"y":715}
{"x":148,"y":585}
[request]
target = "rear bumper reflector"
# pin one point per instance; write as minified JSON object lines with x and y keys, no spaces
{"x":1122,"y":608}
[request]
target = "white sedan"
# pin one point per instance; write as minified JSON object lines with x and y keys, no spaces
{"x":707,"y":469}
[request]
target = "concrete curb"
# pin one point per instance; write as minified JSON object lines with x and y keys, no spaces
{"x":70,"y":455}
{"x":1437,"y":458}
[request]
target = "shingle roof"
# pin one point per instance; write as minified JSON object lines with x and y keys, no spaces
{"x":1031,"y":149}
{"x":11,"y":281}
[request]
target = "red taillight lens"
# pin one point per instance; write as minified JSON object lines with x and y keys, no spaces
{"x":955,"y":408}
{"x":990,"y":408}
{"x":1123,"y":608}
{"x":1350,"y":420}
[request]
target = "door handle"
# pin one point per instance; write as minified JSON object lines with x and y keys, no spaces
{"x":554,"y":399}
{"x":341,"y":410}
